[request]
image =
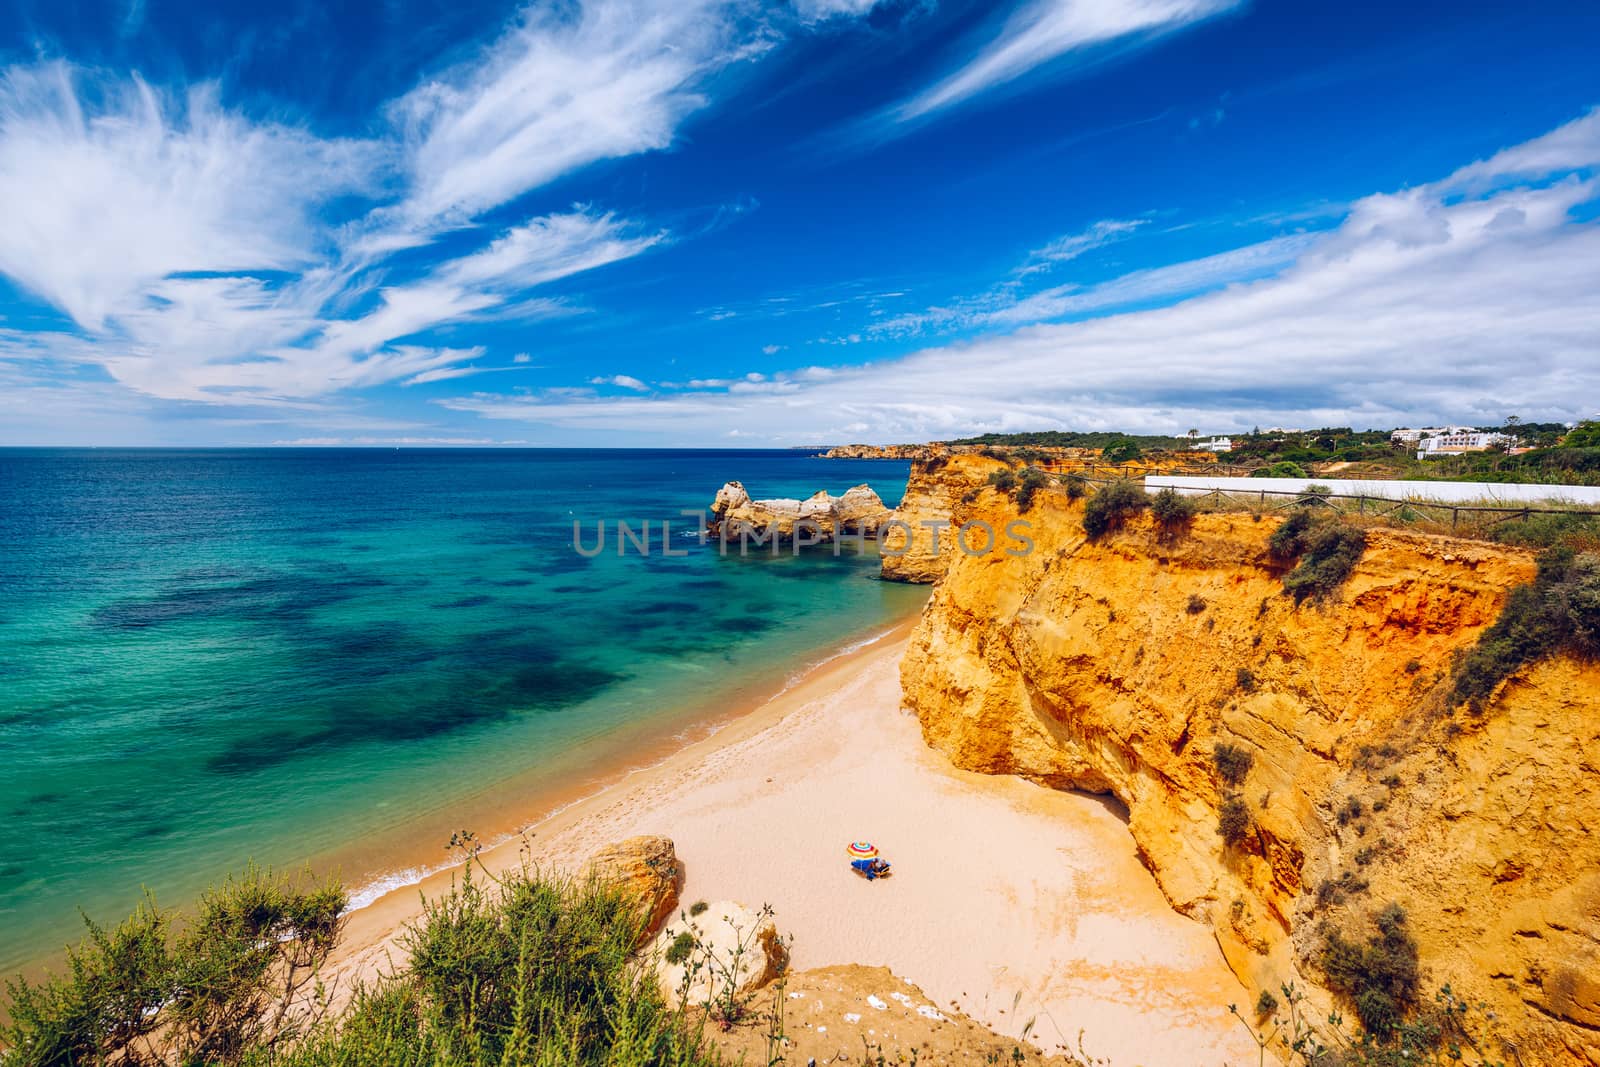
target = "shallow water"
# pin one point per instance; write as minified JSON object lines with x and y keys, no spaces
{"x":214,"y":656}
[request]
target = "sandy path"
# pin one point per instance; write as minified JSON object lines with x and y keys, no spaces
{"x":1011,"y":901}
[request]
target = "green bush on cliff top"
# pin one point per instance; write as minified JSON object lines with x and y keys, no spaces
{"x":1327,"y":551}
{"x":1112,"y":507}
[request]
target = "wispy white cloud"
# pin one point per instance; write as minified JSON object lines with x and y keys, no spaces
{"x":123,"y":192}
{"x":188,"y":245}
{"x":822,"y":10}
{"x":1007,"y":305}
{"x":566,"y":87}
{"x":209,"y":256}
{"x":1070,"y":246}
{"x":1044,"y":31}
{"x":622,"y":381}
{"x":1431,"y":303}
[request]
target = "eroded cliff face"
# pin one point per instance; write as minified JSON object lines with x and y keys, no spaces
{"x":935,"y":488}
{"x":1118,"y":667}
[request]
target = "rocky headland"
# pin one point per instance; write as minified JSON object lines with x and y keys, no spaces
{"x":1289,"y":769}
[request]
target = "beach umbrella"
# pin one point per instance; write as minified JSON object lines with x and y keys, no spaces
{"x":862,"y":850}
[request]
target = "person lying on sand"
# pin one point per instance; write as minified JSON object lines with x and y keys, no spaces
{"x":872,"y":869}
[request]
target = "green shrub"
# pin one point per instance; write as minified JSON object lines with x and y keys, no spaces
{"x":1288,"y":540}
{"x":1334,"y":890}
{"x":1233,"y":819}
{"x":1352,"y":810}
{"x":529,"y":971}
{"x":698,"y":907}
{"x":1313,"y":496}
{"x":204,"y":991}
{"x":681,"y":949}
{"x":1076,"y":485}
{"x":1282,"y":469}
{"x":1380,"y":978}
{"x":1244,"y":679}
{"x":1233,"y":762}
{"x":1121,"y":450}
{"x":1196,"y":604}
{"x":1005,"y":480}
{"x":1172,"y":511}
{"x":1584,"y":435}
{"x":1033,"y":479}
{"x":1110,"y":508}
{"x":1266,"y":1004}
{"x":1549,"y":530}
{"x":1327,"y":550}
{"x":1559,"y":610}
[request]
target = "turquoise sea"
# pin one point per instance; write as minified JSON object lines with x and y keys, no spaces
{"x":291,"y":655}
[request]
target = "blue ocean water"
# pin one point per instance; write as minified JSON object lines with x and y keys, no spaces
{"x":214,"y":656}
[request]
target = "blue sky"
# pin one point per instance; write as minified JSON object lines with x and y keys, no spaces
{"x":720,"y":222}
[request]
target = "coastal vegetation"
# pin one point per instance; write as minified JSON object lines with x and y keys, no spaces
{"x":1325,"y":551}
{"x":1095,"y":440}
{"x":520,"y":969}
{"x":238,"y":979}
{"x":1558,"y":611}
{"x":1378,"y":976}
{"x":1233,"y":820}
{"x":1233,"y":762}
{"x":1111,"y":508}
{"x":1556,"y":454}
{"x":1172,"y":511}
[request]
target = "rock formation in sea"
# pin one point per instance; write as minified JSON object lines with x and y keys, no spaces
{"x":820,"y":518}
{"x":1175,"y":674}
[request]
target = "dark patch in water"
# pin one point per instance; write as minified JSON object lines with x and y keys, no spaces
{"x":502,"y":680}
{"x":668,"y":607}
{"x":569,"y":589}
{"x":386,"y":646}
{"x":557,"y":562}
{"x":515,"y":583}
{"x":277,"y":598}
{"x":260,"y":752}
{"x":750,"y":624}
{"x":707,"y":584}
{"x":468,"y":602}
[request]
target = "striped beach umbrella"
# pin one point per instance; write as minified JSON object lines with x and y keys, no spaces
{"x":862,"y":850}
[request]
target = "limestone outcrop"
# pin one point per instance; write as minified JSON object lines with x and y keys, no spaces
{"x":646,"y":867}
{"x":917,"y":546}
{"x":880,"y":451}
{"x":818,"y":519}
{"x":726,"y":946}
{"x":1125,"y":666}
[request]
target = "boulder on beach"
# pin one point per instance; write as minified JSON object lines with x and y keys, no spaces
{"x":647,"y":868}
{"x":726,"y":944}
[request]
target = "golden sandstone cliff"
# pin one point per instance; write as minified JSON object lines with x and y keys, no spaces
{"x":1121,"y":666}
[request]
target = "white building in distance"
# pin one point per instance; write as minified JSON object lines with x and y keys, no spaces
{"x":1454,"y":444}
{"x":1216,"y":444}
{"x":1411,"y":437}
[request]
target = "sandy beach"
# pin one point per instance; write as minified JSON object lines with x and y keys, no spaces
{"x":1009,"y":901}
